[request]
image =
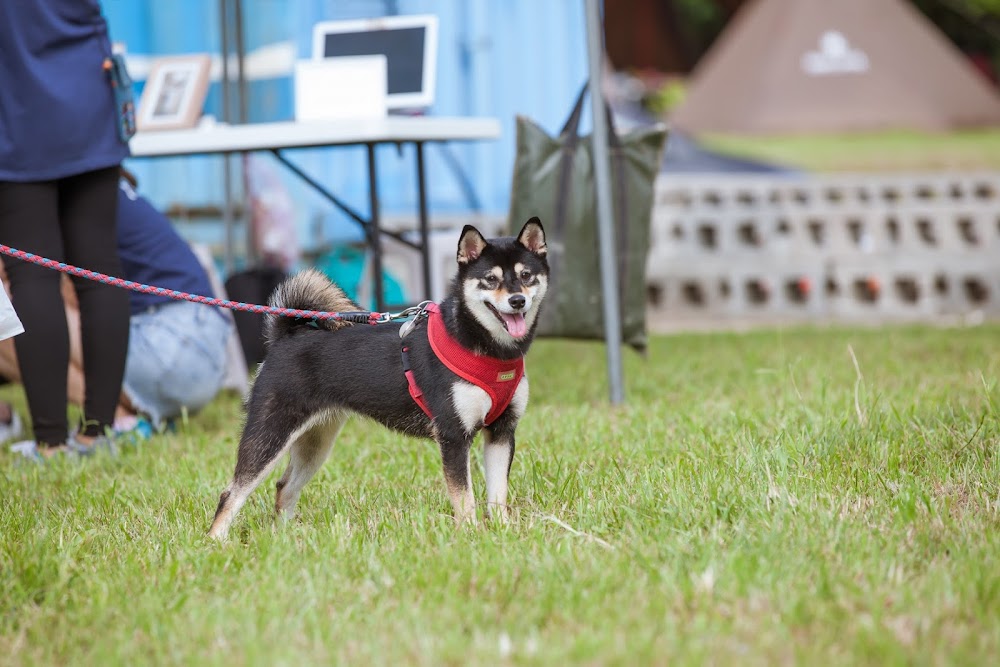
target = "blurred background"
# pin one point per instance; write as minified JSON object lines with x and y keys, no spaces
{"x":828,"y":160}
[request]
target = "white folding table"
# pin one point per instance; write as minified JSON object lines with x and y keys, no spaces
{"x":281,"y":136}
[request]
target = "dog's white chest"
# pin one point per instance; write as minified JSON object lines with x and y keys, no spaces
{"x":472,"y":404}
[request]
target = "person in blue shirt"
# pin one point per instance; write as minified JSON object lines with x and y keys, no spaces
{"x":60,"y":151}
{"x":177,"y":350}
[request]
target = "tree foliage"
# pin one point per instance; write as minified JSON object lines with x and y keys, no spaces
{"x":973,"y":25}
{"x":991,"y":7}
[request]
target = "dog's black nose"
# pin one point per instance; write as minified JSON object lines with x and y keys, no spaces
{"x":516,"y":301}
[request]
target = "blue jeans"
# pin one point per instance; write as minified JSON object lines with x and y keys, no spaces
{"x":176,"y":358}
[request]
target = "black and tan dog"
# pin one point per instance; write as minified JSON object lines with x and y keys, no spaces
{"x":458,"y":369}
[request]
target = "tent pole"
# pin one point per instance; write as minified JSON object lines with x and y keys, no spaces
{"x":605,"y":221}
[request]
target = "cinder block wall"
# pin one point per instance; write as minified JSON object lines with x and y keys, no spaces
{"x":847,"y":248}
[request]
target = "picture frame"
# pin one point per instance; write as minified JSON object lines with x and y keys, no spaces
{"x":174,"y":95}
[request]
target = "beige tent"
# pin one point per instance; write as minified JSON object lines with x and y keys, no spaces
{"x":834,"y":65}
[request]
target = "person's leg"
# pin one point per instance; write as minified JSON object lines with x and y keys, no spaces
{"x":11,"y":372}
{"x":29,"y":220}
{"x":88,"y":214}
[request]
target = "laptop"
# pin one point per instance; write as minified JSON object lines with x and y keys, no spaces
{"x":409,"y":44}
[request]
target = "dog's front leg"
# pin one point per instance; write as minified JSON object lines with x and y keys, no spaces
{"x":457,"y":476}
{"x":498,"y":455}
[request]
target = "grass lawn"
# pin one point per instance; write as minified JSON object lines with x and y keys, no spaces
{"x":757,"y":502}
{"x":877,"y":151}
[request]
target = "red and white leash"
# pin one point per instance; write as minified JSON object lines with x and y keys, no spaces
{"x":360,"y":317}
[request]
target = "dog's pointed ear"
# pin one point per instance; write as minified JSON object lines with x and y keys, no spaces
{"x":532,"y":237}
{"x":470,"y":245}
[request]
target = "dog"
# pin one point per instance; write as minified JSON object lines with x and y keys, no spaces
{"x":453,"y":370}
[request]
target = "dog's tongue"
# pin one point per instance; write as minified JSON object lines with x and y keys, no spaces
{"x":516,"y":326}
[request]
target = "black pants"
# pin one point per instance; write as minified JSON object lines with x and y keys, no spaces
{"x":72,"y":220}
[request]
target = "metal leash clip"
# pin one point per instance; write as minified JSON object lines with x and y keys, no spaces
{"x":419,"y":311}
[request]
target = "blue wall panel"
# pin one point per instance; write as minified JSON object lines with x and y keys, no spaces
{"x":496,"y":58}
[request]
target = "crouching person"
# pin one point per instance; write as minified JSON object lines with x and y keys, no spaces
{"x":177,"y":357}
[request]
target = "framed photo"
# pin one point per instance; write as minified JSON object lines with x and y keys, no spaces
{"x":174,"y":94}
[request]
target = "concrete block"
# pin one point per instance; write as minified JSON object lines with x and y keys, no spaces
{"x":905,"y":246}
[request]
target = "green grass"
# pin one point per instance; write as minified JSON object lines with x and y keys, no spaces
{"x":755,"y":502}
{"x":876,"y":151}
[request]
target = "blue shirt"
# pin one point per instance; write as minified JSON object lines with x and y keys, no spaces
{"x":57,"y":106}
{"x":152,"y":253}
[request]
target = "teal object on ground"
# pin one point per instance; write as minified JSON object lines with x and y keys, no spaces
{"x":345,"y":266}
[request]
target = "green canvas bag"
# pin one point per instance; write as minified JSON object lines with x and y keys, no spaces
{"x":554,"y":179}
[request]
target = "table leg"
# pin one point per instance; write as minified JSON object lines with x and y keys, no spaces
{"x":374,"y":237}
{"x":228,"y":221}
{"x":425,"y":241}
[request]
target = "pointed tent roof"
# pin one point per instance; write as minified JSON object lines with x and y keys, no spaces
{"x":834,"y":65}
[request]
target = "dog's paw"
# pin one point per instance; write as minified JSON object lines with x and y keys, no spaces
{"x":498,"y":513}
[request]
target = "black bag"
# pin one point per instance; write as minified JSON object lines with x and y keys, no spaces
{"x":554,"y":179}
{"x":252,"y":286}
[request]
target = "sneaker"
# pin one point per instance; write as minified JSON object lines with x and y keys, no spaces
{"x":100,"y":443}
{"x":28,"y":449}
{"x":12,"y":430}
{"x":133,"y":430}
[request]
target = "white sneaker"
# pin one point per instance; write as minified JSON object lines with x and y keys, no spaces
{"x":12,"y":430}
{"x":28,"y":449}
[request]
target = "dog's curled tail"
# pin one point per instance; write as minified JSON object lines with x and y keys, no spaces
{"x":307,"y":290}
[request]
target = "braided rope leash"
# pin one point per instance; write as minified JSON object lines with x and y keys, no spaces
{"x":360,"y":317}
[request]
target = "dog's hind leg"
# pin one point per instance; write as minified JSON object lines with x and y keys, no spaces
{"x":307,"y":454}
{"x":265,"y":438}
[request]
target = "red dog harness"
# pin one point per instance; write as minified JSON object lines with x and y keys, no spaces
{"x":497,"y":377}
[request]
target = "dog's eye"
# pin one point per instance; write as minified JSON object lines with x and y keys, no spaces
{"x":491,"y":281}
{"x":525,"y":276}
